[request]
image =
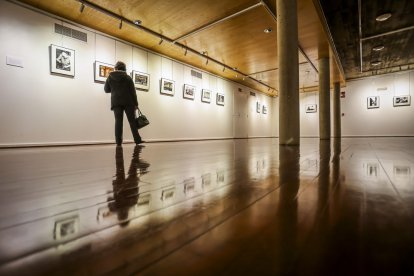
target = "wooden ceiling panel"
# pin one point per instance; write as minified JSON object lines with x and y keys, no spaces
{"x":174,"y":18}
{"x":241,"y":41}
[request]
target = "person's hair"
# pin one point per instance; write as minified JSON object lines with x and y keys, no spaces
{"x":120,"y":66}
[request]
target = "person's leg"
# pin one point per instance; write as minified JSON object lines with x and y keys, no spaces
{"x":119,"y":117}
{"x":130,"y":113}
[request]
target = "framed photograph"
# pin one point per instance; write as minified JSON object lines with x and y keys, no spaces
{"x":102,"y":71}
{"x":62,"y":61}
{"x":189,"y":91}
{"x":168,"y":194}
{"x":206,"y":96}
{"x":66,"y":227}
{"x":402,"y":171}
{"x":167,"y":87}
{"x":372,"y":169}
{"x":220,"y":99}
{"x":141,"y":80}
{"x":311,"y":108}
{"x":402,"y":100}
{"x":258,"y":107}
{"x":373,"y":102}
{"x":264,"y":109}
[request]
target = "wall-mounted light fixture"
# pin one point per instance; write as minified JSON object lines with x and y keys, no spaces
{"x":120,"y":25}
{"x":82,"y":7}
{"x":378,"y":48}
{"x":185,"y":53}
{"x":161,"y":41}
{"x":268,"y":30}
{"x":383,"y":17}
{"x":376,"y":63}
{"x":224,"y":68}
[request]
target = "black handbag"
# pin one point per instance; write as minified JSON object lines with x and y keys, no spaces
{"x":141,"y":120}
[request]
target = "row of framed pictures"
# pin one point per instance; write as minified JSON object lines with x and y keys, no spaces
{"x":261,"y":108}
{"x":62,"y":62}
{"x":374,"y":101}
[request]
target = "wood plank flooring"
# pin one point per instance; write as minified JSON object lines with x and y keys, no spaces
{"x":230,"y":207}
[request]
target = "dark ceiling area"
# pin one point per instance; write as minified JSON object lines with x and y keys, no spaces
{"x":352,"y":38}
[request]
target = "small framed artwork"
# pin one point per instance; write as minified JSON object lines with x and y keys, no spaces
{"x":220,"y":99}
{"x":188,"y":91}
{"x":102,"y":71}
{"x":402,"y":100}
{"x":311,"y":108}
{"x":206,"y":96}
{"x":66,"y":227}
{"x":141,"y":80}
{"x":168,"y":194}
{"x":373,"y":102}
{"x":167,"y":87}
{"x":264,"y":109}
{"x":258,"y":107}
{"x":62,"y":61}
{"x":402,"y":171}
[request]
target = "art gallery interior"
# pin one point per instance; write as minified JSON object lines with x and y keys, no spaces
{"x":280,"y":142}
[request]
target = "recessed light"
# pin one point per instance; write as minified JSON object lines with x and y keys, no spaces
{"x":137,"y":22}
{"x":376,"y":63}
{"x":378,"y":48}
{"x":268,"y":30}
{"x":383,"y":17}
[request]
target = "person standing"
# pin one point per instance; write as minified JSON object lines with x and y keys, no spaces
{"x":123,"y":99}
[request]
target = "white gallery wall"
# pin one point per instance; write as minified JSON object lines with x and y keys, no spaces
{"x":37,"y":107}
{"x":387,"y":119}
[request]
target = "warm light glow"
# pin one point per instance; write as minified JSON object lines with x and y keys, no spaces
{"x":383,"y":17}
{"x":378,"y":48}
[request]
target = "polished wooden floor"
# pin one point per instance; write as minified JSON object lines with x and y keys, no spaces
{"x":231,"y":207}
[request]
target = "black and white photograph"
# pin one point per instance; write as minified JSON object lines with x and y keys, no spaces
{"x":372,"y":169}
{"x":402,"y":100}
{"x":373,"y":102}
{"x":258,"y":107}
{"x":62,"y":61}
{"x":206,"y":96}
{"x":168,"y":194}
{"x":220,"y":99}
{"x":66,"y":227}
{"x":311,"y":108}
{"x":264,"y":109}
{"x":102,"y":71}
{"x":141,"y":80}
{"x":167,"y":87}
{"x":402,"y":171}
{"x":189,"y":92}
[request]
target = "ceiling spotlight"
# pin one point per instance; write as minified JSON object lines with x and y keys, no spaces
{"x":82,"y":7}
{"x":376,"y":63}
{"x":137,"y":22}
{"x":378,"y":48}
{"x":268,"y":30}
{"x":383,"y":17}
{"x":120,"y":25}
{"x":235,"y":68}
{"x":244,"y":77}
{"x":161,"y":41}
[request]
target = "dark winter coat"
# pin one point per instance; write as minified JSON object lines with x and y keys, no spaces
{"x":122,"y":89}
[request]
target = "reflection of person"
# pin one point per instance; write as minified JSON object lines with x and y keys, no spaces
{"x":123,"y":99}
{"x":63,"y":61}
{"x":125,"y":190}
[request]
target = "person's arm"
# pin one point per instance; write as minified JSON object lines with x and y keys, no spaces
{"x":133,"y":91}
{"x":107,"y":87}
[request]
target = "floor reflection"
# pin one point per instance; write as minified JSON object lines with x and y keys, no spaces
{"x":125,"y":189}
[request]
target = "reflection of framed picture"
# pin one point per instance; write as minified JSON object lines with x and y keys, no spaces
{"x":141,"y":80}
{"x":62,"y":61}
{"x":311,"y":108}
{"x":206,"y":180}
{"x":167,"y":87}
{"x":188,"y":91}
{"x":66,"y":227}
{"x":102,"y":71}
{"x":373,"y":102}
{"x":402,"y":171}
{"x":168,"y":194}
{"x":372,"y":169}
{"x":220,"y":177}
{"x":264,"y":109}
{"x":220,"y":99}
{"x":206,"y":96}
{"x":402,"y":100}
{"x":189,"y":186}
{"x":258,"y":107}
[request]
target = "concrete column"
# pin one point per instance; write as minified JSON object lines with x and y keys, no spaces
{"x":337,"y":110}
{"x":324,"y":99}
{"x":287,"y":50}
